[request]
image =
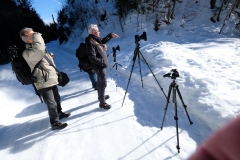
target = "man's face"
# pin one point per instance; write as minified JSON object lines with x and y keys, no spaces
{"x":96,"y":32}
{"x":29,"y":37}
{"x":29,"y":40}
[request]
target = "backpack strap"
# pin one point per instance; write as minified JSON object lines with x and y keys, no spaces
{"x":51,"y":64}
{"x":36,"y":66}
{"x":33,"y":79}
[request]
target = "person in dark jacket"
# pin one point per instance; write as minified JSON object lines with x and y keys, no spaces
{"x":86,"y":66}
{"x":96,"y":51}
{"x":46,"y":78}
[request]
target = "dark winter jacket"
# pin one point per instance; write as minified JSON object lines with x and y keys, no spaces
{"x":95,"y":51}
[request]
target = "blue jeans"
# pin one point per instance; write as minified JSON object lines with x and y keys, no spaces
{"x":93,"y":79}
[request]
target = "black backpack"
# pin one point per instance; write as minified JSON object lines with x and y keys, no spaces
{"x":84,"y":62}
{"x":21,"y":68}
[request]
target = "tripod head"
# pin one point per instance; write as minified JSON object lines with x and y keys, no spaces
{"x":173,"y":74}
{"x":114,"y":52}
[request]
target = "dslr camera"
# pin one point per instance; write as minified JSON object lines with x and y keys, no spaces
{"x":114,"y":52}
{"x":173,"y":74}
{"x":138,"y":38}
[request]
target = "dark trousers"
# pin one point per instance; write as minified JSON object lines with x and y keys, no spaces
{"x":101,"y":83}
{"x":51,"y":98}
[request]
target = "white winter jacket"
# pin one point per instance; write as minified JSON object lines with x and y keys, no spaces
{"x":45,"y":74}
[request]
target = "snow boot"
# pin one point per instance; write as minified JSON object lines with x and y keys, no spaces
{"x":63,"y":115}
{"x":59,"y":125}
{"x":104,"y":106}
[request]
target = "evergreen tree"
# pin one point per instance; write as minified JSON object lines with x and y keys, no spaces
{"x":157,"y":24}
{"x":62,"y":20}
{"x":15,"y":15}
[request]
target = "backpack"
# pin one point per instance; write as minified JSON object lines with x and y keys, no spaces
{"x":21,"y":68}
{"x":84,"y":62}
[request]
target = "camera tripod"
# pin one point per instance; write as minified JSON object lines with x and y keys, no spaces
{"x":174,"y":87}
{"x":137,"y":54}
{"x":115,"y":64}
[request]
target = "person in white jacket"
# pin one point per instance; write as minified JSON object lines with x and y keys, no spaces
{"x":45,"y":75}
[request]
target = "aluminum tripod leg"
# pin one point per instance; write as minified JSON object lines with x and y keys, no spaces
{"x":168,"y":97}
{"x":176,"y":115}
{"x":184,"y":106}
{"x":136,"y":54}
{"x":153,"y":75}
{"x":129,"y":78}
{"x":172,"y":86}
{"x":140,"y":67}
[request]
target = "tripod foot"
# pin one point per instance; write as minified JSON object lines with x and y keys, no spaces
{"x":178,"y":148}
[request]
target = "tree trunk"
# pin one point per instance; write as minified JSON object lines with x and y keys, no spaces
{"x":220,"y":10}
{"x":173,"y":8}
{"x":120,"y":21}
{"x":228,"y":15}
{"x":137,"y":19}
{"x":232,"y":7}
{"x":237,"y":3}
{"x":153,"y":5}
{"x":168,"y":13}
{"x":212,"y":4}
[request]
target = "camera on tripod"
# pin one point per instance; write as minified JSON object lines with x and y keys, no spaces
{"x":174,"y":90}
{"x":114,"y":52}
{"x":138,"y":38}
{"x":173,"y":74}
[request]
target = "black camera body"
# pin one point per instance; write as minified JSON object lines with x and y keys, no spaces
{"x":138,"y":38}
{"x":173,"y":74}
{"x":115,"y":49}
{"x":114,"y":52}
